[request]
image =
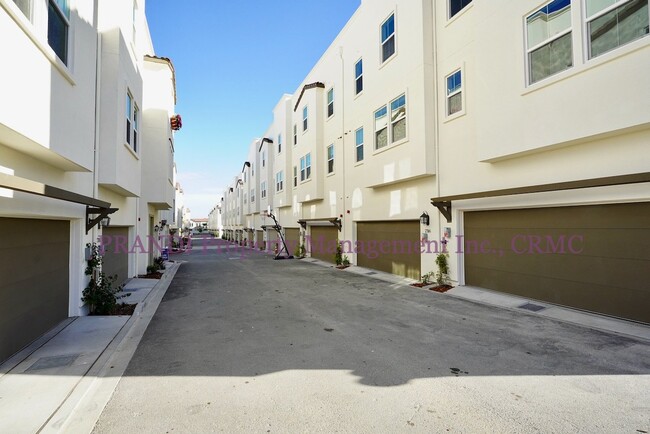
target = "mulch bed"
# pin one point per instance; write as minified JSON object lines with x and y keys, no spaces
{"x":436,"y":288}
{"x":156,"y":275}
{"x":124,"y":309}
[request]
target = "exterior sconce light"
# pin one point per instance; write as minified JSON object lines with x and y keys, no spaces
{"x":105,"y":222}
{"x":424,"y":219}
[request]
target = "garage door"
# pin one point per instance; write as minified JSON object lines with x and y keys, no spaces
{"x":116,"y":257}
{"x":594,"y":258}
{"x":400,"y":253}
{"x":323,"y":242}
{"x":260,"y":240}
{"x":273,"y":239}
{"x":292,"y":237}
{"x":34,"y":287}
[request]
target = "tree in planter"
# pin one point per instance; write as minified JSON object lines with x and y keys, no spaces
{"x":338,"y":258}
{"x":300,"y":251}
{"x":442,"y":276}
{"x":99,"y":295}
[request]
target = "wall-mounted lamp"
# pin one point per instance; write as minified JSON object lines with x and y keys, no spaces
{"x":424,"y":219}
{"x":105,"y":222}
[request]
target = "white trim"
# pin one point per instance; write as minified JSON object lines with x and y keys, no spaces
{"x":451,"y":19}
{"x":462,"y":91}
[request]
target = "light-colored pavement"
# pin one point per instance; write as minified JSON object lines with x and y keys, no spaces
{"x":58,"y":382}
{"x":248,"y":344}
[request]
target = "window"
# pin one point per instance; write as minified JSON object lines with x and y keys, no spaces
{"x":305,"y":167}
{"x":58,"y":22}
{"x":252,"y":195}
{"x":612,"y":23}
{"x":454,"y":93}
{"x":295,"y":134}
{"x":132,"y":120}
{"x":263,"y":189}
{"x":358,"y":140}
{"x":330,"y":103}
{"x":295,"y":176}
{"x":358,"y":77}
{"x":456,"y":6}
{"x":304,"y":118}
{"x":279,"y":181}
{"x":245,"y":177}
{"x":245,"y":198}
{"x":549,"y":48}
{"x":398,"y":118}
{"x":25,"y":6}
{"x":279,"y":143}
{"x":263,"y":158}
{"x":381,"y":128}
{"x":252,"y":169}
{"x":330,"y":159}
{"x":388,"y":38}
{"x":397,"y":123}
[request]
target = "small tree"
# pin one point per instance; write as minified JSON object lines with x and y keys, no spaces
{"x":442,"y":276}
{"x":339,"y":253}
{"x":99,"y":295}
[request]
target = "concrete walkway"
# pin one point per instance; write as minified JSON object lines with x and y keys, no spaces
{"x":57,"y":378}
{"x":242,"y":343}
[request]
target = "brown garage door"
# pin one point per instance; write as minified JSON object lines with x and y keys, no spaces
{"x":34,"y":287}
{"x":272,"y":239}
{"x":260,"y":240}
{"x":399,"y":242}
{"x":116,"y":257}
{"x":589,"y":257}
{"x":292,"y":237}
{"x":322,"y":243}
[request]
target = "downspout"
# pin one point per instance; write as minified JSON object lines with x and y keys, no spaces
{"x":343,"y":211}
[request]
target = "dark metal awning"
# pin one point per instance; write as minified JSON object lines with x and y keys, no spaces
{"x":93,"y":206}
{"x":334,"y":220}
{"x":443,"y":203}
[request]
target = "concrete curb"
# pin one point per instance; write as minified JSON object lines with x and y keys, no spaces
{"x":83,"y":407}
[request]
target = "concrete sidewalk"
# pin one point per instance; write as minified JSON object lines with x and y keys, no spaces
{"x":69,"y":373}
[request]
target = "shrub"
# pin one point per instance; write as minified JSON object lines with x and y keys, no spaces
{"x":339,"y":251}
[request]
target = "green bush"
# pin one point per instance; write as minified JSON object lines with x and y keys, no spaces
{"x":100,"y":294}
{"x":442,"y":276}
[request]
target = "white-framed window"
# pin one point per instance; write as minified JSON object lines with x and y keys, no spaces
{"x":58,"y":26}
{"x":252,"y":195}
{"x":330,"y":103}
{"x":132,"y":121}
{"x":549,"y":49}
{"x":295,"y":134}
{"x":245,"y":176}
{"x":263,"y":189}
{"x":398,"y":118}
{"x":25,"y":7}
{"x":381,"y":127}
{"x":455,"y":6}
{"x":263,"y":158}
{"x":454,"y":92}
{"x":358,"y":141}
{"x":358,"y":77}
{"x":330,"y":159}
{"x":295,"y":176}
{"x":305,"y":167}
{"x":305,"y":115}
{"x":388,"y":38}
{"x":279,"y":143}
{"x":613,"y":23}
{"x":396,"y":128}
{"x":252,"y":169}
{"x":245,"y":201}
{"x":279,"y":181}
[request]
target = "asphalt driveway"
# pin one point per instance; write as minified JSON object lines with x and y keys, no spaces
{"x":243,"y":343}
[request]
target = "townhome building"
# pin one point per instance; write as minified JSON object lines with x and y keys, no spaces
{"x":76,"y":135}
{"x":511,"y":135}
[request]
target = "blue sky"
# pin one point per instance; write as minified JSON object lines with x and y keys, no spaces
{"x":233,"y":62}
